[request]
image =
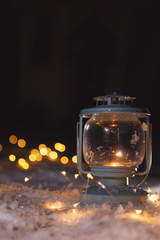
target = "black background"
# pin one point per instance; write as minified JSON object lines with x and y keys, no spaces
{"x":58,"y":55}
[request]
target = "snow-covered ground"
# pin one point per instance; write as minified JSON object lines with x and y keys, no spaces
{"x":44,"y":208}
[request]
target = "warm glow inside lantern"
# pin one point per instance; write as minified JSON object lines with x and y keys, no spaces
{"x":114,"y":140}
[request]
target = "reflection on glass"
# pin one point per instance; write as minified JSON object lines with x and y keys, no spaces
{"x":114,"y":140}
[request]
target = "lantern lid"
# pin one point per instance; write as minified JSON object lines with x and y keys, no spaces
{"x":114,"y":103}
{"x":113,"y":98}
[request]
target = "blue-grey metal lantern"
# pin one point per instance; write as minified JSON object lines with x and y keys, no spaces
{"x":114,"y":138}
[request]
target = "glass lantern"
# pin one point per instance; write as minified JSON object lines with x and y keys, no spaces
{"x":114,"y":140}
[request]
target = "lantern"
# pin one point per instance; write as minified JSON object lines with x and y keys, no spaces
{"x":114,"y":138}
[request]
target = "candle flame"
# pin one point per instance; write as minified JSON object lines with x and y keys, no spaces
{"x":119,"y":154}
{"x":114,"y":164}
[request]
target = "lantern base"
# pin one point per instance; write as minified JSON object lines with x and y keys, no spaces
{"x":114,"y":194}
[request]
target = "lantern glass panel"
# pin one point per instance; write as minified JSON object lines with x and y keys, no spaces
{"x":114,"y":139}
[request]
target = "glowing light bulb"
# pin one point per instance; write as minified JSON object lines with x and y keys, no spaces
{"x":101,"y":184}
{"x":113,"y":125}
{"x":34,"y":150}
{"x":25,"y":166}
{"x":74,"y":211}
{"x":64,"y":160}
{"x":1,"y":147}
{"x":21,"y":143}
{"x":149,"y":190}
{"x":74,"y":159}
{"x":42,"y":146}
{"x":53,"y":155}
{"x":21,"y":161}
{"x":32,"y":157}
{"x":119,"y":154}
{"x":60,"y":147}
{"x":76,"y":176}
{"x":13,"y":139}
{"x":57,"y":146}
{"x":154,"y":197}
{"x":76,"y":204}
{"x":43,"y":151}
{"x":54,"y":206}
{"x":138,"y":211}
{"x":90,"y":176}
{"x":12,"y":158}
{"x":38,"y":156}
{"x":26,"y":179}
{"x":63,"y":173}
{"x":114,"y":164}
{"x":49,"y":150}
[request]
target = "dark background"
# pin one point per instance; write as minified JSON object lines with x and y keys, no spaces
{"x":58,"y":55}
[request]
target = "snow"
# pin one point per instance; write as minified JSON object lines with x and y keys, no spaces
{"x":37,"y":212}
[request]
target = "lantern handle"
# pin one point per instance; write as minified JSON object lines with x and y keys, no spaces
{"x":148,"y":150}
{"x":79,"y":147}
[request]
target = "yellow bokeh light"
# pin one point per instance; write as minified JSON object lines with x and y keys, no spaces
{"x":119,"y":154}
{"x":1,"y":147}
{"x":42,"y":146}
{"x":76,"y":175}
{"x":145,"y":217}
{"x":12,"y":157}
{"x":26,"y":179}
{"x":43,"y":151}
{"x":90,"y":176}
{"x":57,"y":146}
{"x":49,"y":150}
{"x":13,"y":139}
{"x":21,"y":161}
{"x":76,"y":204}
{"x":64,"y":160}
{"x":149,"y":190}
{"x":63,"y":173}
{"x":154,"y":197}
{"x":60,"y":147}
{"x":34,"y":151}
{"x":114,"y":164}
{"x":138,"y":211}
{"x":53,"y":155}
{"x":38,"y":157}
{"x":32,"y":157}
{"x":54,"y":206}
{"x":25,"y":165}
{"x":21,"y":143}
{"x":74,"y":159}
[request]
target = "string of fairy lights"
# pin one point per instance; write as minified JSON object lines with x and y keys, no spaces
{"x":57,"y":153}
{"x":71,"y":212}
{"x":36,"y":154}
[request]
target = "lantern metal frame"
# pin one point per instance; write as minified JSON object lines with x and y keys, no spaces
{"x":115,"y":176}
